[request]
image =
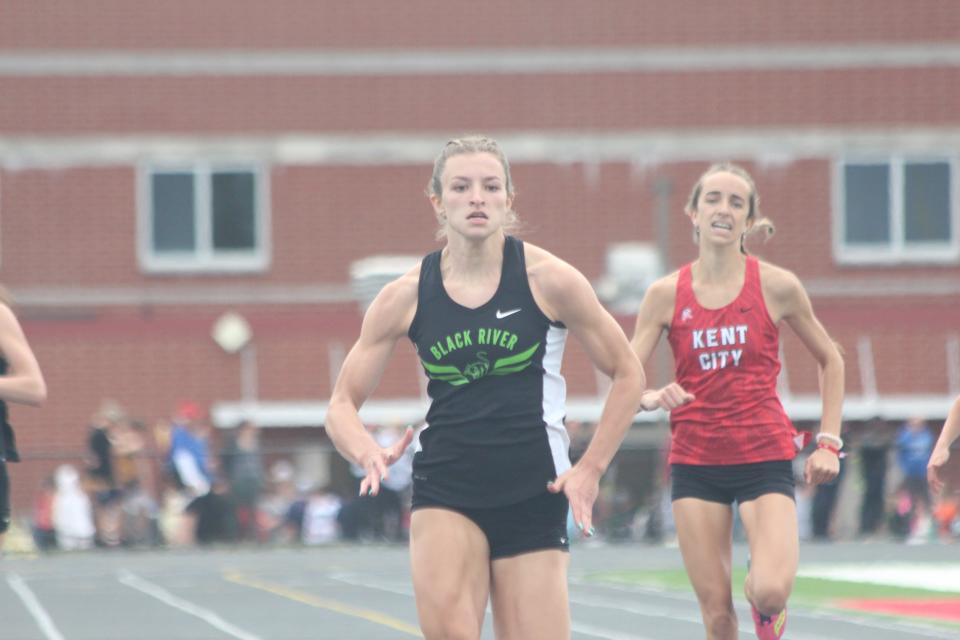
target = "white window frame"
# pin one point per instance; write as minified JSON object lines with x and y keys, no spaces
{"x":203,"y":258}
{"x":897,"y":251}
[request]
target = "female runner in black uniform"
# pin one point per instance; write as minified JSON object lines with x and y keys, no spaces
{"x":488,"y":315}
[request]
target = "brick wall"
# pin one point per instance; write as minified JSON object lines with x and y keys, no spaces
{"x":302,"y":24}
{"x":634,"y":100}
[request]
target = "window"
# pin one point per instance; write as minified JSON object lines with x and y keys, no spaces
{"x":203,"y":218}
{"x":896,"y":210}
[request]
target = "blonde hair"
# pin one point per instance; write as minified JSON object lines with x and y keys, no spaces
{"x":471,"y":144}
{"x":760,"y":222}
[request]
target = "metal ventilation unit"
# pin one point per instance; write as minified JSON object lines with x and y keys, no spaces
{"x":369,"y":275}
{"x":631,"y":268}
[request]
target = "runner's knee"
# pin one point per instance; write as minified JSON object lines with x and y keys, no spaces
{"x":450,"y":628}
{"x":770,"y":597}
{"x":720,"y":623}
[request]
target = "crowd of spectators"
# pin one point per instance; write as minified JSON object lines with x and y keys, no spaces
{"x":177,"y":483}
{"x":180,"y":483}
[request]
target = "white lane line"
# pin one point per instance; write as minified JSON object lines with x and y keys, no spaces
{"x":649,"y":611}
{"x":402,"y":589}
{"x":606,"y":634}
{"x":336,"y":606}
{"x":660,"y":592}
{"x":882,"y":623}
{"x":818,"y":614}
{"x":654,"y":611}
{"x":406,"y":590}
{"x":43,"y":619}
{"x":135,"y":582}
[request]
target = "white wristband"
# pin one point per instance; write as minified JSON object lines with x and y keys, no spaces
{"x":835,"y":440}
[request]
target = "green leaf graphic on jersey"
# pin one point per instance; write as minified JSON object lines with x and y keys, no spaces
{"x":446,"y":373}
{"x":516,"y":363}
{"x":480,"y":368}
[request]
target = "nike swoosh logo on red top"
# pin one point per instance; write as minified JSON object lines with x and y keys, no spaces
{"x":503,"y":314}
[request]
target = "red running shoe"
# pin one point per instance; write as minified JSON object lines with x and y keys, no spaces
{"x":767,"y":627}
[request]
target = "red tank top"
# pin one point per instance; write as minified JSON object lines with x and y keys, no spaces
{"x":728,"y":358}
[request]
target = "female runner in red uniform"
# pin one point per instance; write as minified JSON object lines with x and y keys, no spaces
{"x":731,"y":439}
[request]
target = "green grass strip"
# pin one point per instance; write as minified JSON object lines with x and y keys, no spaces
{"x":809,"y":591}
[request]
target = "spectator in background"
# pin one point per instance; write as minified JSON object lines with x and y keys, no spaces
{"x":141,"y":516}
{"x":380,"y":517}
{"x":914,"y":446}
{"x":356,"y":515}
{"x":293,"y":520}
{"x":243,"y":467}
{"x":100,"y":449}
{"x":875,"y":440}
{"x":804,"y":498}
{"x":72,"y":511}
{"x":580,"y":435}
{"x":44,"y":533}
{"x":319,"y":523}
{"x":170,"y":518}
{"x":945,"y":516}
{"x":659,"y":524}
{"x":128,"y":448}
{"x":901,"y":514}
{"x":275,"y":505}
{"x":188,"y":460}
{"x":101,"y":481}
{"x":132,"y":475}
{"x":824,"y":504}
{"x":392,"y":504}
{"x":211,"y":518}
{"x":159,"y":437}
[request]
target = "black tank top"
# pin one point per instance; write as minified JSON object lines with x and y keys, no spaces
{"x":495,"y":433}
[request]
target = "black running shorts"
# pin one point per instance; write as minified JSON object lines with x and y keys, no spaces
{"x":729,"y":483}
{"x":536,"y":524}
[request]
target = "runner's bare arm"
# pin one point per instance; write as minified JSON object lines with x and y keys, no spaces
{"x":386,"y":321}
{"x":565,"y":295}
{"x":24,"y":382}
{"x":792,"y":304}
{"x":653,"y":319}
{"x":789,"y":301}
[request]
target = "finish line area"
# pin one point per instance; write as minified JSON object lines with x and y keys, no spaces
{"x":617,"y":592}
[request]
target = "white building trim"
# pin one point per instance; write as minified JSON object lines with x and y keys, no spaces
{"x":183,"y":294}
{"x":351,"y":62}
{"x":802,"y":408}
{"x":644,"y":148}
